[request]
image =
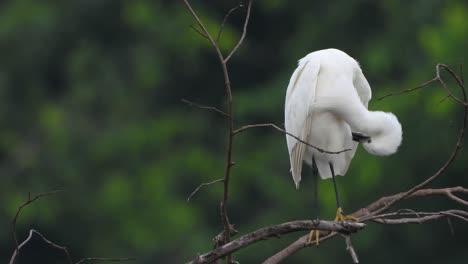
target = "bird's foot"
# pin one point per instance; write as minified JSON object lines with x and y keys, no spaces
{"x":340,"y":217}
{"x":311,"y":236}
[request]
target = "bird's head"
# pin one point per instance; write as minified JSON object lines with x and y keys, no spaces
{"x":386,"y":137}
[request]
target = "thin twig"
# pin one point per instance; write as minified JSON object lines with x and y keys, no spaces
{"x":449,"y":222}
{"x":29,"y":201}
{"x":199,"y":32}
{"x":220,"y":31}
{"x":211,"y":108}
{"x":460,"y":83}
{"x":456,"y":198}
{"x":350,"y":248}
{"x":410,"y":89}
{"x":204,"y":30}
{"x":461,"y":74}
{"x":50,"y":243}
{"x":420,"y":216}
{"x":31,"y":232}
{"x":203,"y":185}
{"x":244,"y":128}
{"x":244,"y":33}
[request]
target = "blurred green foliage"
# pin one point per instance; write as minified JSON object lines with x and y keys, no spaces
{"x":90,"y":96}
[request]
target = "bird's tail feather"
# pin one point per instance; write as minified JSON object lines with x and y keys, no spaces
{"x":298,"y":152}
{"x":297,"y":156}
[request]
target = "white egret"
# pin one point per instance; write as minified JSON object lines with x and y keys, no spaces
{"x":326,"y":106}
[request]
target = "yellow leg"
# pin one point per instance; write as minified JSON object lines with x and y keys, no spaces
{"x":317,"y":237}
{"x":340,"y":217}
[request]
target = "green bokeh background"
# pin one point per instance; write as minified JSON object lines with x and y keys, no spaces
{"x":90,"y":102}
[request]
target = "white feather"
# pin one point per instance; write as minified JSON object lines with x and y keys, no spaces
{"x":326,"y":101}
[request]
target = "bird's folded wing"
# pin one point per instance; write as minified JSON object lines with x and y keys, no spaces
{"x":299,"y":99}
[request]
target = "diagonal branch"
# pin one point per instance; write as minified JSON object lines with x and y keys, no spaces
{"x":204,"y":32}
{"x":199,"y":32}
{"x":244,"y":128}
{"x":31,"y":232}
{"x":275,"y":231}
{"x":211,"y":108}
{"x":350,"y":248}
{"x":220,"y":31}
{"x":410,"y":89}
{"x":244,"y":33}
{"x":203,"y":185}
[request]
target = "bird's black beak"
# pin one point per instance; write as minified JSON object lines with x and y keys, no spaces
{"x":358,"y":137}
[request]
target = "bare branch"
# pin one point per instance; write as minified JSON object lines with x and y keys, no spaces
{"x":211,"y":108}
{"x":220,"y":31}
{"x":410,"y":89}
{"x":199,"y":32}
{"x":420,"y":217}
{"x":449,"y":222}
{"x":456,"y":199}
{"x":460,"y":72}
{"x":29,"y":201}
{"x":457,"y":79}
{"x":244,"y":128}
{"x":31,"y":232}
{"x":62,"y":248}
{"x":275,"y":231}
{"x":204,"y":30}
{"x":50,"y":243}
{"x":244,"y":32}
{"x":350,"y":248}
{"x":203,"y":185}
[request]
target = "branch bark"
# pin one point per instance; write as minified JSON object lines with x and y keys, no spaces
{"x":276,"y":231}
{"x":229,"y":112}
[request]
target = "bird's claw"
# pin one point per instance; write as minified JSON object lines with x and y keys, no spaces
{"x":340,"y":217}
{"x":311,"y":235}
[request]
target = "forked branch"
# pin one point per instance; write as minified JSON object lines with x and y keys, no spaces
{"x":229,"y":111}
{"x":32,"y":232}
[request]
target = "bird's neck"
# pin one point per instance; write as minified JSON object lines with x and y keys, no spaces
{"x":353,"y":112}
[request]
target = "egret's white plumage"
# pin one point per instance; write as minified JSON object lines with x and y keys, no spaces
{"x":326,"y":101}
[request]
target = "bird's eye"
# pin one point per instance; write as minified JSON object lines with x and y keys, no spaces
{"x":369,"y":140}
